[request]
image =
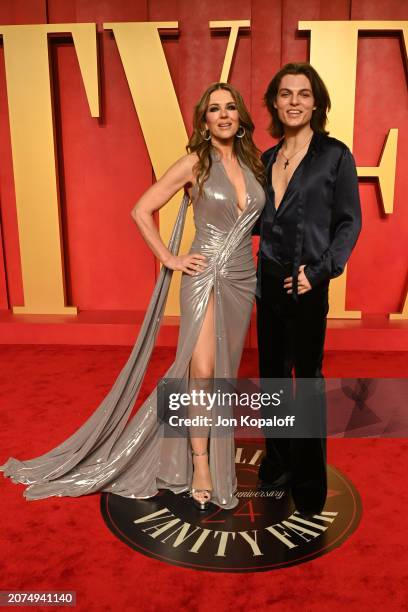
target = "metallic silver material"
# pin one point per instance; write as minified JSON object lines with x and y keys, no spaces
{"x":133,"y":459}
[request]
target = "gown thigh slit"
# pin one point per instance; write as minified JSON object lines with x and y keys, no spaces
{"x":133,"y":458}
{"x":201,"y":373}
{"x":202,"y":362}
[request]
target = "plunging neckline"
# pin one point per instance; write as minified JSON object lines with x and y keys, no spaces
{"x":289,"y":182}
{"x":287,"y":186}
{"x":291,"y":178}
{"x":238,"y":210}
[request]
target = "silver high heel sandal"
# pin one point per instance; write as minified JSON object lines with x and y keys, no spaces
{"x":201,"y":505}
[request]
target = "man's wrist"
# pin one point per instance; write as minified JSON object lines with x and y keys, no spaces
{"x":311,"y":275}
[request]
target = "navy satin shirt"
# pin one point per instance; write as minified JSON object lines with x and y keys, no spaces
{"x":319,"y":218}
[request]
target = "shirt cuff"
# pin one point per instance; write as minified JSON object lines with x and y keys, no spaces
{"x":317,"y":273}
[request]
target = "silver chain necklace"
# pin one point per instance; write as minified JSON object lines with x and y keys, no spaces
{"x":287,"y":159}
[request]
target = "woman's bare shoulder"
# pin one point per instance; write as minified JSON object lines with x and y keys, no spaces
{"x":184,"y":166}
{"x":181,"y":171}
{"x":189,"y":162}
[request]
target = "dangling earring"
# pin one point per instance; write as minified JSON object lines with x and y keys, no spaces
{"x":205,"y":136}
{"x":241,"y":127}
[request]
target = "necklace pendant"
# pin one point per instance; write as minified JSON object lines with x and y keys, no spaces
{"x":286,"y":164}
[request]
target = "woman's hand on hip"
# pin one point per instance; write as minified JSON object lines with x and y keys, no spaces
{"x":191,"y":264}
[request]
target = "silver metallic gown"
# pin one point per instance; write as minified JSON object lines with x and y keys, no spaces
{"x":134,"y":459}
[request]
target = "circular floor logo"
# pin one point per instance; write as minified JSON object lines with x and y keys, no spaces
{"x":264,"y":532}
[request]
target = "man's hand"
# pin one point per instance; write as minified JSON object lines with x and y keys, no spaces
{"x":303,"y":283}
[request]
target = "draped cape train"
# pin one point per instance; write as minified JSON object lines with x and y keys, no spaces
{"x":134,"y":459}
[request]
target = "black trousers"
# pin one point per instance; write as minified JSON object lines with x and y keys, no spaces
{"x":291,"y":338}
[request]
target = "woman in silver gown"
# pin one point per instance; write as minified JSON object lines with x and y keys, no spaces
{"x":223,"y":176}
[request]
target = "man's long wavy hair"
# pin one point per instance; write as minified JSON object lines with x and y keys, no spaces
{"x":244,"y":148}
{"x":320,"y":94}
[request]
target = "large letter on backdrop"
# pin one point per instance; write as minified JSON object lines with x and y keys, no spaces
{"x":333,"y":52}
{"x":32,"y":141}
{"x":233,"y":27}
{"x":158,"y":110}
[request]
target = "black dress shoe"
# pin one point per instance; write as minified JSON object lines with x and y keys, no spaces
{"x":272,"y":476}
{"x":309,"y":497}
{"x":282,"y":481}
{"x":307,"y":514}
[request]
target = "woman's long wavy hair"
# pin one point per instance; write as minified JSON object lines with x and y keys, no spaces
{"x":244,"y":148}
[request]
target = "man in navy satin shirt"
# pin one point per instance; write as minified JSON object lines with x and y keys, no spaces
{"x":310,"y":224}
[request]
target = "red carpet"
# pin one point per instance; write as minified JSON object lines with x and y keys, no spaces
{"x":63,"y":544}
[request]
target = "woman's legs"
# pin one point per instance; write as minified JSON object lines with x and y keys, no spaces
{"x":202,"y":367}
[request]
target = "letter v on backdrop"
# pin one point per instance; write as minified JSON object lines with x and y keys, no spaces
{"x":33,"y":146}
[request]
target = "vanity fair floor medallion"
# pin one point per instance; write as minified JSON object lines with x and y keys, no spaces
{"x":264,"y":532}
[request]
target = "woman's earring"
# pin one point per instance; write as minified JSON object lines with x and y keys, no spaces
{"x":206,"y":136}
{"x":241,"y":127}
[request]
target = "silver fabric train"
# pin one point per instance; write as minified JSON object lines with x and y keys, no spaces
{"x":134,"y":459}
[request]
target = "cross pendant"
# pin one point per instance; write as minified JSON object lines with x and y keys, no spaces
{"x":286,"y":164}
